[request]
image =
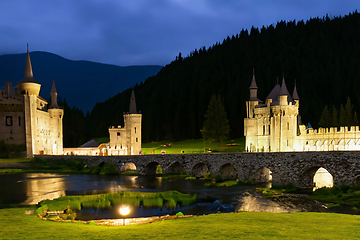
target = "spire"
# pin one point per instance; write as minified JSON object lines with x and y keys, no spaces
{"x":132,"y":109}
{"x":28,"y":74}
{"x":283,"y":89}
{"x":253,"y":82}
{"x":53,"y":95}
{"x":295,"y":95}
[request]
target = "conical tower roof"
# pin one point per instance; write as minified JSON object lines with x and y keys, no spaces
{"x":53,"y":88}
{"x":253,"y":82}
{"x":28,"y":75}
{"x":132,"y":108}
{"x":295,"y":95}
{"x":284,"y":91}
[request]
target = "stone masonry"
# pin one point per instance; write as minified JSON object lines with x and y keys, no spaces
{"x":297,"y":168}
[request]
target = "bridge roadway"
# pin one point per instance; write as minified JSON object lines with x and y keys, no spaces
{"x":297,"y":168}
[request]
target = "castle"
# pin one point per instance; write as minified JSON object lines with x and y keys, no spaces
{"x":127,"y":140}
{"x":273,"y":126}
{"x":123,"y":140}
{"x":29,"y":119}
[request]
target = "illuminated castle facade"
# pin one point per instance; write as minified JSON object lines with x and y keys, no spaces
{"x":26,"y":118}
{"x":127,"y":140}
{"x":123,"y":140}
{"x":273,"y":126}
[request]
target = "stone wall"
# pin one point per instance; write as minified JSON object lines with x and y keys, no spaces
{"x":297,"y":168}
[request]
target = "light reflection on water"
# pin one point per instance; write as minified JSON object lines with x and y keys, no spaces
{"x":30,"y":188}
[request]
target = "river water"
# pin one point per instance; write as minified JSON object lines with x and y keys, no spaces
{"x":30,"y":188}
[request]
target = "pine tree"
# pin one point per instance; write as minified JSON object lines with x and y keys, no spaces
{"x":348,"y":113}
{"x":355,"y":121}
{"x":342,"y":117}
{"x":325,"y":119}
{"x":334,"y":117}
{"x":216,"y":126}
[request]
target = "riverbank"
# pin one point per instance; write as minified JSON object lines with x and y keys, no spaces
{"x":16,"y":225}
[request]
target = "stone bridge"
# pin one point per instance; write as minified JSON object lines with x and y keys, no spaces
{"x":297,"y":168}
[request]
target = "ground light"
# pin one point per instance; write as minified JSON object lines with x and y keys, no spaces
{"x":124,"y":211}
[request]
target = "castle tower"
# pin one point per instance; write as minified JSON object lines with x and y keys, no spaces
{"x":250,"y":122}
{"x":132,"y":124}
{"x":295,"y":96}
{"x":53,"y":96}
{"x":30,"y":89}
{"x":253,"y":100}
{"x":56,"y":123}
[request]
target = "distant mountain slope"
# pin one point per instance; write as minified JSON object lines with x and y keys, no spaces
{"x":81,"y":83}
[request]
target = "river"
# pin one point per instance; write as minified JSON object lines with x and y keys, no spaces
{"x":30,"y":188}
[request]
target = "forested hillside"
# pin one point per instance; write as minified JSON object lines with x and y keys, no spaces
{"x":322,"y":54}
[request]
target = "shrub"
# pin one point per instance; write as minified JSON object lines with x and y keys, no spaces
{"x":179,"y":214}
{"x":41,"y":210}
{"x":109,"y":168}
{"x":92,"y":223}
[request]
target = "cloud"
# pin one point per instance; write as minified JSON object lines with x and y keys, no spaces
{"x":142,"y":31}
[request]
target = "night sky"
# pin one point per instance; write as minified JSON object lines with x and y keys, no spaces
{"x":143,"y":32}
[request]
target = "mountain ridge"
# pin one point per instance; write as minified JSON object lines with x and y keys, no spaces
{"x":82,"y":83}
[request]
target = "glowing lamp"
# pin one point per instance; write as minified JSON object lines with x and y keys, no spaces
{"x":124,"y":211}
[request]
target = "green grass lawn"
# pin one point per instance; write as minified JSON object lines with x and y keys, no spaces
{"x":15,"y":224}
{"x":194,"y":146}
{"x":14,"y":160}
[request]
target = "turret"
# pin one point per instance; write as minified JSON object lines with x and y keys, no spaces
{"x":253,"y":100}
{"x":53,"y":95}
{"x":132,"y":108}
{"x":283,"y":96}
{"x":253,"y":89}
{"x":295,"y":96}
{"x":28,"y":85}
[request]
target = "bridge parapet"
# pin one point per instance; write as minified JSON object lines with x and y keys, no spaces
{"x":297,"y":168}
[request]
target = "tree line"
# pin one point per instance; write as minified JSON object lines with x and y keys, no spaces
{"x":322,"y":54}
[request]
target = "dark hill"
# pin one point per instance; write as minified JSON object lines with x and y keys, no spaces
{"x":322,"y":54}
{"x":81,"y":83}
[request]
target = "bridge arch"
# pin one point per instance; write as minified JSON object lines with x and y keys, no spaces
{"x":175,"y":168}
{"x":128,"y":166}
{"x":263,"y":175}
{"x":150,"y":168}
{"x":316,"y":177}
{"x":199,"y":169}
{"x":228,"y":172}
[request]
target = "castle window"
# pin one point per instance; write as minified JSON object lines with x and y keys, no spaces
{"x":264,"y":130}
{"x":269,"y":129}
{"x":287,"y":142}
{"x":288,"y":126}
{"x":136,"y":139}
{"x":135,"y":129}
{"x":19,"y":121}
{"x":118,"y":134}
{"x":9,"y":121}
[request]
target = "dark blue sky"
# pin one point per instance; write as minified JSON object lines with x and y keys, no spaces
{"x":142,"y":32}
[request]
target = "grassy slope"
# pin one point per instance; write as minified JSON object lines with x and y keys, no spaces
{"x":14,"y":160}
{"x":15,"y":224}
{"x":194,"y":146}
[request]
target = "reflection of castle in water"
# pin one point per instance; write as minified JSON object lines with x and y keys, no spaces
{"x":40,"y":186}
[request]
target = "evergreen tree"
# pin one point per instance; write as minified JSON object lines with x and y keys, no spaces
{"x":348,"y":113}
{"x":334,"y":117}
{"x":342,"y":117}
{"x":325,"y":119}
{"x":216,"y":126}
{"x":355,"y":121}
